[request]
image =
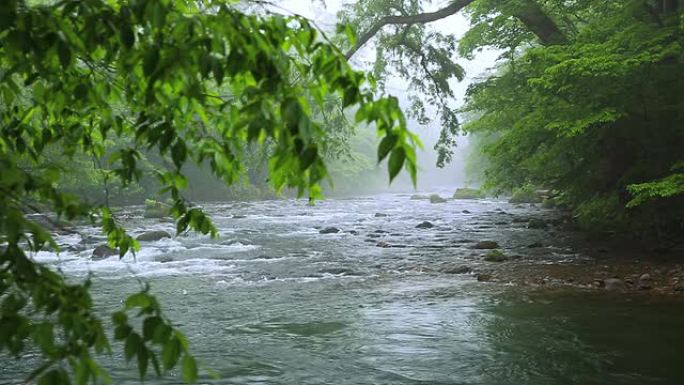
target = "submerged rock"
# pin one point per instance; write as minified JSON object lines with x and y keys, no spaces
{"x":103,"y":252}
{"x":382,"y":244}
{"x":456,"y":270}
{"x":536,"y":223}
{"x":239,"y":216}
{"x":434,"y":198}
{"x":419,"y":197}
{"x":330,"y":230}
{"x":484,"y":277}
{"x":153,"y":235}
{"x":338,"y":271}
{"x":380,"y":215}
{"x":465,"y":212}
{"x":483,"y":245}
{"x":425,"y":225}
{"x":535,"y":245}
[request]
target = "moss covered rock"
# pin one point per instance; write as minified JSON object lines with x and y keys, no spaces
{"x":435,"y":198}
{"x":468,"y":193}
{"x":156,"y":209}
{"x":495,"y":256}
{"x":526,"y":194}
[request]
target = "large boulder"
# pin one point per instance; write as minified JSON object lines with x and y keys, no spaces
{"x":468,"y":193}
{"x":425,"y":225}
{"x":103,"y":252}
{"x":154,"y":235}
{"x":330,"y":230}
{"x":435,"y":198}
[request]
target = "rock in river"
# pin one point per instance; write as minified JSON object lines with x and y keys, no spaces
{"x":104,"y":251}
{"x":434,"y":198}
{"x":495,"y":256}
{"x":483,"y":245}
{"x":645,"y":282}
{"x":380,"y":215}
{"x":456,"y":270}
{"x":153,"y":235}
{"x":613,"y":284}
{"x":425,"y":225}
{"x":536,"y":223}
{"x":330,"y":230}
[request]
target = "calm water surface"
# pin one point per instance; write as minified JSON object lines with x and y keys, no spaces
{"x":272,"y":301}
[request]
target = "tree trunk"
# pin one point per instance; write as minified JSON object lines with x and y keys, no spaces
{"x":667,"y":6}
{"x":536,"y":20}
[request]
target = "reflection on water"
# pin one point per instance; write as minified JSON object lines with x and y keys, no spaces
{"x":275,"y":302}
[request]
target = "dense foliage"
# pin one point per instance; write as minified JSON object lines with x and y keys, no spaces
{"x":599,"y":119}
{"x":585,"y":100}
{"x":165,"y":83}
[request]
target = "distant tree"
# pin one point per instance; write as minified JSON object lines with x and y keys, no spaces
{"x":586,"y":98}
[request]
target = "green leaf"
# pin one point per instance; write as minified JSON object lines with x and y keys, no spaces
{"x":127,"y":35}
{"x":119,"y":318}
{"x":141,"y":300}
{"x":151,"y":60}
{"x":307,"y":157}
{"x":150,"y":325}
{"x":396,"y":161}
{"x":64,"y":53}
{"x":171,"y":352}
{"x":143,"y":360}
{"x":55,"y":377}
{"x":189,"y":371}
{"x":132,"y":345}
{"x":179,"y":153}
{"x":386,"y":145}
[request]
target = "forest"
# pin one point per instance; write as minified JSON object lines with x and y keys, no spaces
{"x":245,"y":147}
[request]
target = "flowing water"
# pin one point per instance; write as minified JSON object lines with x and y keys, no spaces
{"x":273,"y":301}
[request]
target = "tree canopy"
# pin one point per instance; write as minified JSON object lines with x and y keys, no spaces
{"x":192,"y":82}
{"x":585,"y":100}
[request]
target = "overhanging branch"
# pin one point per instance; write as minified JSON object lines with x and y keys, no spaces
{"x":420,"y":18}
{"x":530,"y":14}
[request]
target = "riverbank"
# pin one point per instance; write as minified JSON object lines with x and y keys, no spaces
{"x":609,"y":275}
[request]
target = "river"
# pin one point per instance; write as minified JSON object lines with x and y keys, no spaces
{"x":273,"y":301}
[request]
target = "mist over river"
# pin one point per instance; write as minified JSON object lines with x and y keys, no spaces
{"x":274,"y":301}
